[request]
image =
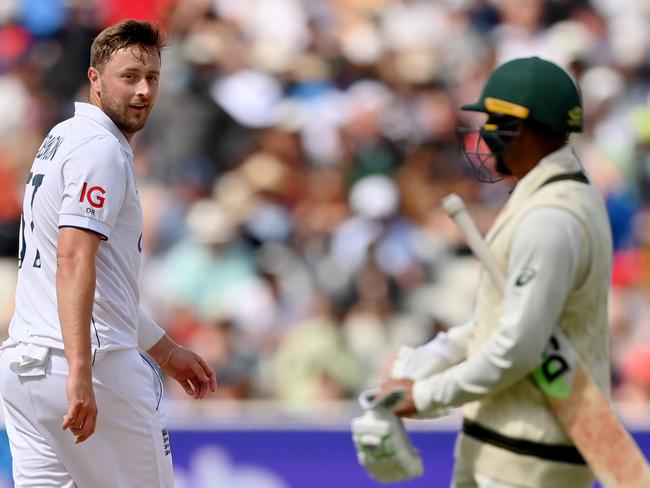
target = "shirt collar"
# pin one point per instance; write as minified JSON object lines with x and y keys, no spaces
{"x":97,"y":115}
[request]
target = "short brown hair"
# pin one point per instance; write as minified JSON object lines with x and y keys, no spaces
{"x":127,"y":33}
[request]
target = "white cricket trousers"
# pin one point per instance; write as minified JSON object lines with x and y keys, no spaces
{"x":130,"y":446}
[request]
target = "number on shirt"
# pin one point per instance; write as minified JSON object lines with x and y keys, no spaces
{"x":36,"y":181}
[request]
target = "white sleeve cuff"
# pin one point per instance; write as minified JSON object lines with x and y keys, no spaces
{"x":68,"y":220}
{"x":422,"y":394}
{"x":442,"y":390}
{"x":149,"y":332}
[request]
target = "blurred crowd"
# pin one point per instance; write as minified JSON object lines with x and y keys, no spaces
{"x":292,"y":170}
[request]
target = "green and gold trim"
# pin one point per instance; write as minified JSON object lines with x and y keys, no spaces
{"x":575,"y":117}
{"x":494,"y":105}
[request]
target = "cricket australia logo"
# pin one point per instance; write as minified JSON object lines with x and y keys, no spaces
{"x":165,"y":438}
{"x":525,"y":276}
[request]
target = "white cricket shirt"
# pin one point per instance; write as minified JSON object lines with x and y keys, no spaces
{"x":83,"y":176}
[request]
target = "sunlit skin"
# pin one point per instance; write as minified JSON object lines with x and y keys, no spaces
{"x":406,"y":407}
{"x":125,"y":87}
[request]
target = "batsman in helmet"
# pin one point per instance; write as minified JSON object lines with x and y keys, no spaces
{"x":553,"y":242}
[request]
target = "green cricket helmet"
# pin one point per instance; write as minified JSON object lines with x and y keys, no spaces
{"x":528,"y":89}
{"x":532,"y":89}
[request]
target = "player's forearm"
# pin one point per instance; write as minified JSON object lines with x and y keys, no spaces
{"x":75,"y":288}
{"x":163,"y":349}
{"x":500,"y":363}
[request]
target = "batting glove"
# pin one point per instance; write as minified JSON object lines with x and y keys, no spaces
{"x":382,"y":444}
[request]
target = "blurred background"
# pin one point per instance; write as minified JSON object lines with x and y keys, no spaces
{"x":290,"y":177}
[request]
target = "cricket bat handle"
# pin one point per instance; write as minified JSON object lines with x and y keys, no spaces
{"x":454,"y":207}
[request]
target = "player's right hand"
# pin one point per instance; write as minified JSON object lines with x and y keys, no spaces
{"x":81,"y":417}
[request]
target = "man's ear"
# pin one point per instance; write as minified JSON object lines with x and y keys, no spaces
{"x":94,"y":77}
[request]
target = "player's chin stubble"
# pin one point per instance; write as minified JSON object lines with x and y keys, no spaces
{"x":116,"y":113}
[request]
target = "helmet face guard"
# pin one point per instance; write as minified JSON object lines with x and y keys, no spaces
{"x":485,"y":147}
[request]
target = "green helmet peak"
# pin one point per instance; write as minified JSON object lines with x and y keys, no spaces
{"x":532,"y":89}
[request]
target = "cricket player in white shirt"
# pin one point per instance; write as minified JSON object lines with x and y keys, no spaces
{"x":81,"y":404}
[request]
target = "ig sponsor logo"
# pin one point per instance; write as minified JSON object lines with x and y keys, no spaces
{"x":93,"y":195}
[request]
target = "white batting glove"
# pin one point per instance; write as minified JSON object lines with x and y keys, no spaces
{"x":416,"y":363}
{"x":437,"y":355}
{"x":382,"y":444}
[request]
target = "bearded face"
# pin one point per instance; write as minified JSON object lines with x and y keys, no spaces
{"x":127,"y":86}
{"x":128,"y":117}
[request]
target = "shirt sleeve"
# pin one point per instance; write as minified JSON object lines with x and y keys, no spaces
{"x":543,"y":268}
{"x":93,"y":186}
{"x":149,"y":332}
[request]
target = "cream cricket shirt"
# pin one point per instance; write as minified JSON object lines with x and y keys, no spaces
{"x":548,"y":240}
{"x":83,"y":176}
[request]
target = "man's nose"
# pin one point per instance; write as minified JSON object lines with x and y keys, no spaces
{"x":143,"y":88}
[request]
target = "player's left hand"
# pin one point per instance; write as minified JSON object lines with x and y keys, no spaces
{"x":406,"y":407}
{"x":192,"y":372}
